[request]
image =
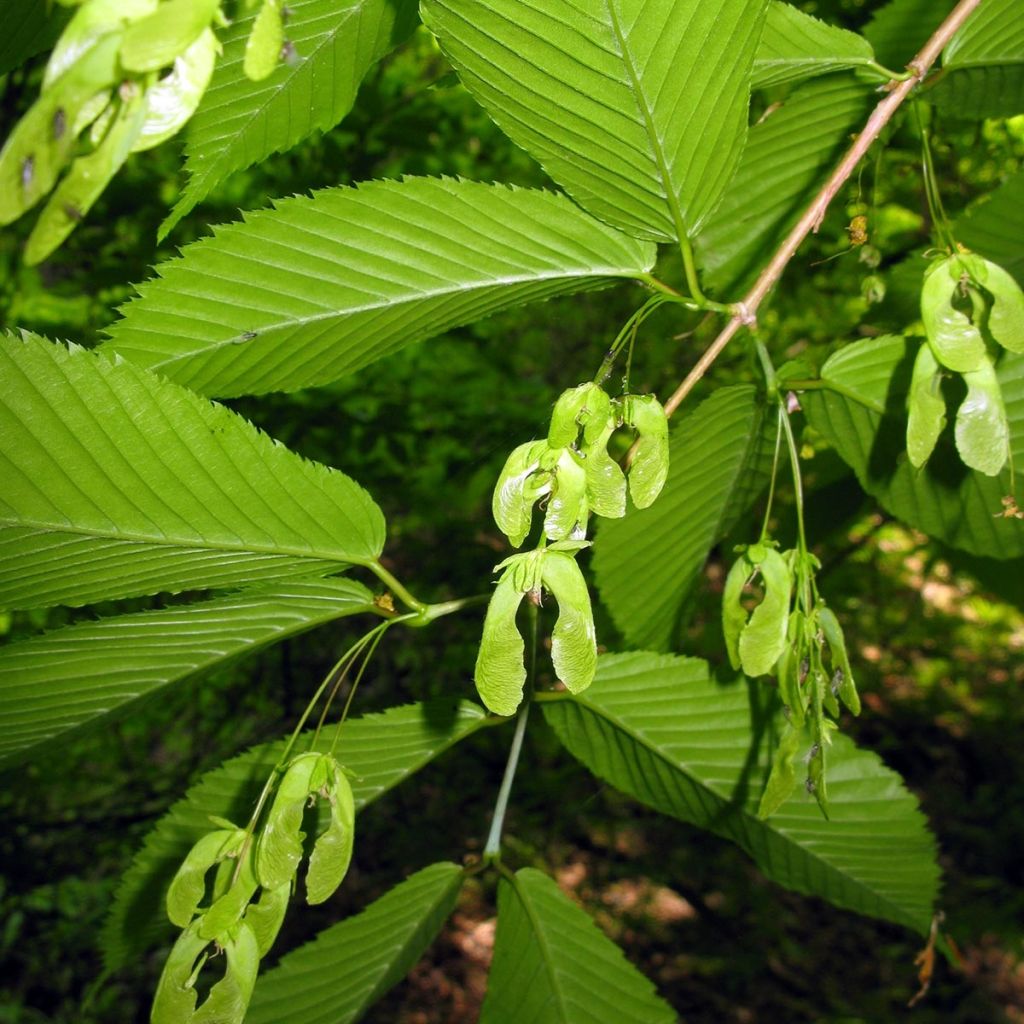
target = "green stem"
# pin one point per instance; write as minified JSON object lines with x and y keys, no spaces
{"x":492,"y":851}
{"x":396,"y":588}
{"x":775,"y":471}
{"x":931,"y":187}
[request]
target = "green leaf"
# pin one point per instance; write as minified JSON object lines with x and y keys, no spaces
{"x":568,"y":507}
{"x":67,"y":678}
{"x":661,"y":729}
{"x":995,"y":227}
{"x":500,"y":673}
{"x":764,"y":635}
{"x":1006,"y":317}
{"x":380,"y":750}
{"x":796,"y":45}
{"x":340,"y":974}
{"x":515,"y":493}
{"x":229,"y":997}
{"x":786,"y":159}
{"x":954,"y":337}
{"x":606,"y":483}
{"x":899,"y":29}
{"x":647,"y":564}
{"x":263,"y":48}
{"x":188,"y":887}
{"x":649,"y":469}
{"x":332,"y":852}
{"x":573,"y":640}
{"x":240,"y":122}
{"x":156,"y":41}
{"x":833,"y":633}
{"x":976,"y":93}
{"x":553,"y":965}
{"x":861,"y":412}
{"x":323,"y":285}
{"x":118,"y":482}
{"x":638,"y":110}
{"x":29,"y":28}
{"x":993,"y":34}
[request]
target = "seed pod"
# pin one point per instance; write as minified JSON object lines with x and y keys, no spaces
{"x":573,"y":640}
{"x":229,"y":998}
{"x":280,"y":845}
{"x":188,"y":886}
{"x":926,"y":417}
{"x":649,"y":469}
{"x":982,"y":431}
{"x":606,"y":483}
{"x":782,"y":779}
{"x":33,"y":144}
{"x":85,"y":181}
{"x":500,"y":673}
{"x":263,"y":50}
{"x":577,"y":407}
{"x":332,"y":851}
{"x":788,"y":667}
{"x":764,"y":636}
{"x":266,"y":916}
{"x":954,"y":338}
{"x":1006,"y":319}
{"x":156,"y":41}
{"x":734,"y":615}
{"x":228,"y":909}
{"x":833,"y":633}
{"x":514,"y":493}
{"x":174,"y":99}
{"x":816,"y":782}
{"x":175,"y":997}
{"x":567,"y":510}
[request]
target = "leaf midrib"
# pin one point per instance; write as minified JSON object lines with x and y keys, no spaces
{"x":545,"y":950}
{"x":190,"y":542}
{"x":342,"y":314}
{"x":671,"y":199}
{"x":899,"y":913}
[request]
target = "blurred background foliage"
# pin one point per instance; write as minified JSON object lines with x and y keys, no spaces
{"x":938,"y":636}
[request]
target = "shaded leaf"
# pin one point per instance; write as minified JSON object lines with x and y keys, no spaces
{"x":865,"y":423}
{"x":381,"y":750}
{"x":638,"y":110}
{"x":553,"y":965}
{"x":29,"y":28}
{"x":118,"y":482}
{"x":64,"y":679}
{"x":899,"y":29}
{"x":340,"y":974}
{"x":660,"y":729}
{"x":787,"y":157}
{"x":239,"y":121}
{"x":323,"y":285}
{"x":647,"y":564}
{"x":995,"y":226}
{"x":796,"y":45}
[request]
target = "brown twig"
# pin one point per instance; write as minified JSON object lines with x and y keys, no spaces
{"x":746,"y":311}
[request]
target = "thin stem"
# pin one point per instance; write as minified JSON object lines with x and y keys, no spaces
{"x":775,"y":470}
{"x":931,"y":187}
{"x":745,"y":312}
{"x":493,"y":848}
{"x":352,"y":691}
{"x":396,"y":587}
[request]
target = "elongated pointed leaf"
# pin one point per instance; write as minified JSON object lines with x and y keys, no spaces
{"x":241,"y":121}
{"x":786,"y":159}
{"x":553,"y":965}
{"x":117,"y":483}
{"x":796,"y":45}
{"x":66,"y":679}
{"x":661,"y":729}
{"x":647,"y":564}
{"x":340,"y":974}
{"x":323,"y":285}
{"x":638,"y":110}
{"x":866,"y":424}
{"x":381,"y":750}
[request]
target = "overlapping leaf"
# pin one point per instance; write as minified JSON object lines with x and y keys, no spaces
{"x":118,"y":482}
{"x":796,"y":45}
{"x":786,"y":159}
{"x":29,"y":28}
{"x":993,"y":34}
{"x":65,"y":679}
{"x":661,"y":729}
{"x":638,"y":110}
{"x":323,"y":285}
{"x":864,"y":418}
{"x":899,"y":29}
{"x":381,"y":750}
{"x":241,"y":121}
{"x":335,"y":978}
{"x":647,"y":564}
{"x":995,"y":227}
{"x":553,"y":965}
